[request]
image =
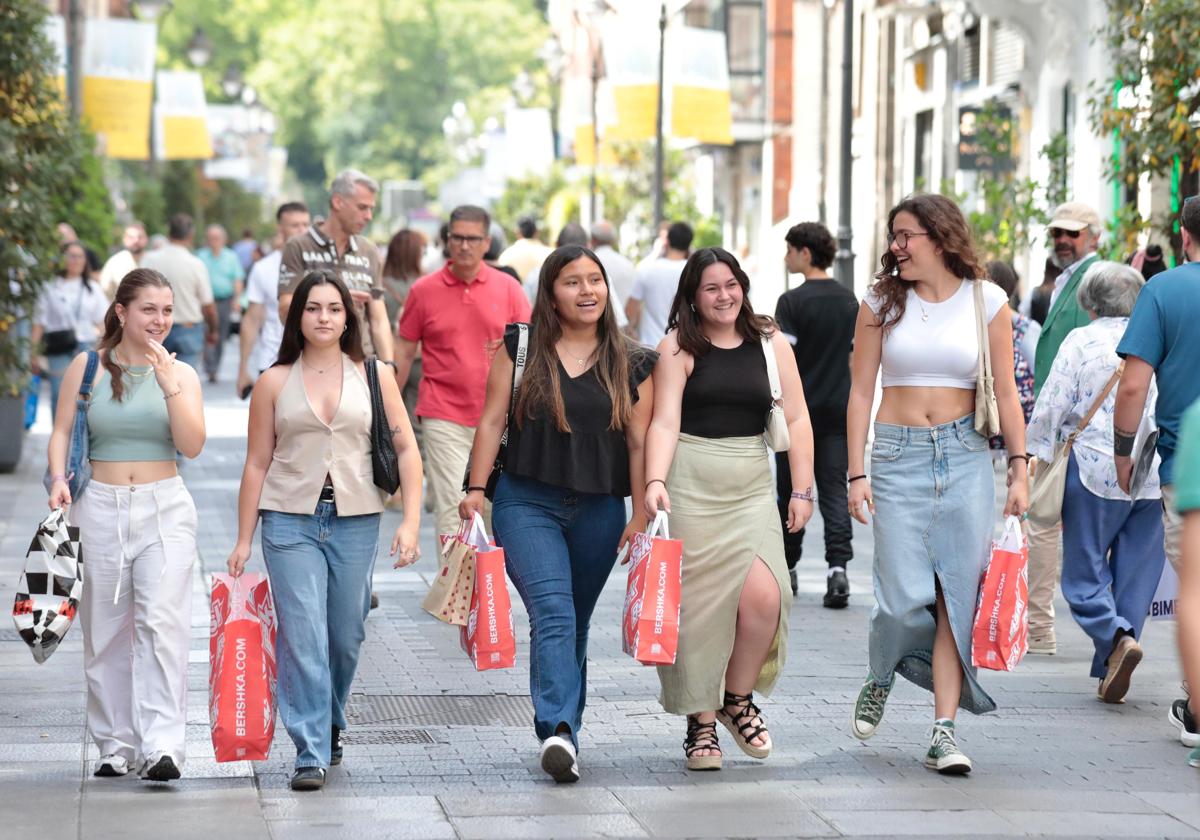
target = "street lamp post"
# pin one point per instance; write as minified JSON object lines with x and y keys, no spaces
{"x":844,"y":261}
{"x":658,"y":118}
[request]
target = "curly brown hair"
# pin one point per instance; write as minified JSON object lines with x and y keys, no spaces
{"x":947,"y":229}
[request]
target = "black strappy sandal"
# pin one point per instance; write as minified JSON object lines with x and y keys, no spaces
{"x":701,"y":736}
{"x":741,"y":725}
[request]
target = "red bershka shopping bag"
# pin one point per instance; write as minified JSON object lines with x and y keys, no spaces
{"x":488,"y":637}
{"x":1001,"y":634}
{"x":241,"y":677}
{"x":650,"y":620}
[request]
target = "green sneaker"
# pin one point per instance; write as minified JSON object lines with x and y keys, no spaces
{"x":868,"y":709}
{"x":944,"y":755}
{"x":1194,"y":757}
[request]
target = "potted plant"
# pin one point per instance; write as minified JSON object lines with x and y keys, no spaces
{"x":42,"y":152}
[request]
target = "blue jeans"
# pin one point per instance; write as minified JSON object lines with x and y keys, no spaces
{"x":935,"y":510}
{"x":320,"y":568}
{"x":1113,"y":557}
{"x":187,"y":343}
{"x":559,"y":548}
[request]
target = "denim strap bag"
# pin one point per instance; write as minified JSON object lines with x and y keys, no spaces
{"x":79,"y":468}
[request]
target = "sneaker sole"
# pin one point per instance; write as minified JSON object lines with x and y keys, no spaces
{"x":164,"y":770}
{"x":1188,"y":739}
{"x":1114,"y":691}
{"x":860,"y":734}
{"x":559,"y":765}
{"x":958,"y":767}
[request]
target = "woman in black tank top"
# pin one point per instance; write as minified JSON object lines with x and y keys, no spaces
{"x":711,"y":400}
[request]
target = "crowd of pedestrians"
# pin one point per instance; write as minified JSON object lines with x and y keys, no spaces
{"x":541,"y":387}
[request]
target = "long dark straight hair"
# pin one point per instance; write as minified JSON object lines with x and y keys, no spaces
{"x":293,"y":339}
{"x":127,"y":294}
{"x":541,"y":390}
{"x":685,"y":320}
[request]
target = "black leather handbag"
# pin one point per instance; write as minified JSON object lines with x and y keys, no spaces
{"x":385,"y":468}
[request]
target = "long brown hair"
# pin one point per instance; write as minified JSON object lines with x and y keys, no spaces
{"x":947,"y":229}
{"x":686,"y":322}
{"x":127,"y":293}
{"x":293,"y":338}
{"x":541,"y":387}
{"x":403,"y":261}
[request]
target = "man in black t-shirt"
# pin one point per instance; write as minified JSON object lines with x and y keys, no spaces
{"x":818,"y":320}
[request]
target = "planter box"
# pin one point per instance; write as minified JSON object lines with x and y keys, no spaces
{"x":12,"y":431}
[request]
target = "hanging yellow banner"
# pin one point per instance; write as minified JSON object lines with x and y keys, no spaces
{"x":585,"y":154}
{"x":703,"y":114}
{"x":118,"y":110}
{"x":699,"y":86}
{"x":631,"y":63}
{"x":118,"y":81}
{"x":180,"y":111}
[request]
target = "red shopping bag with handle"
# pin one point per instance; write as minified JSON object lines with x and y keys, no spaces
{"x":241,"y":676}
{"x":488,"y":637}
{"x":650,"y":620}
{"x":1001,"y":634}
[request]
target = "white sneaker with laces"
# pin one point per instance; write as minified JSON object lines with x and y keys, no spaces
{"x":110,"y":766}
{"x":558,"y":759}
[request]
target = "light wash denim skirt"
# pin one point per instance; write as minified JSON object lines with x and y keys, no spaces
{"x":935,"y":499}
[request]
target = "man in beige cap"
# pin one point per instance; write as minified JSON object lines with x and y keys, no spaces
{"x":1074,"y":231}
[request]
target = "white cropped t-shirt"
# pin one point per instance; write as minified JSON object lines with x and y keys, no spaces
{"x":941,"y":350}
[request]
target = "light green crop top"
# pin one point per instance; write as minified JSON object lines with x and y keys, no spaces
{"x":135,"y":429}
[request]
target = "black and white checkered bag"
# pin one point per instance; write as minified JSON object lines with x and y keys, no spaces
{"x":50,"y":586}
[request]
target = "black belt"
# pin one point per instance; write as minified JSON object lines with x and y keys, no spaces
{"x":326,"y":493}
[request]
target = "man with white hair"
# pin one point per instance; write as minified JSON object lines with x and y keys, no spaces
{"x":124,"y":261}
{"x":334,"y":243}
{"x":620,"y":271}
{"x":225,"y":275}
{"x":1074,"y":231}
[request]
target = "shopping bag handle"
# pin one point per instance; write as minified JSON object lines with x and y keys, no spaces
{"x":1013,"y":536}
{"x":474,"y":533}
{"x":659,"y":525}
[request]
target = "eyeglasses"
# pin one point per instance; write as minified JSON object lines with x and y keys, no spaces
{"x":459,"y":239}
{"x":901,"y":237}
{"x":1055,"y":233}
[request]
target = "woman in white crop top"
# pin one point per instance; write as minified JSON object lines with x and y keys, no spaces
{"x":931,"y":492}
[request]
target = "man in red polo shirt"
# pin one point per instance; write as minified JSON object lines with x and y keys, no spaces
{"x":457,"y":315}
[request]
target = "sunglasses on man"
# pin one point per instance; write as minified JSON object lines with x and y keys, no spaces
{"x":1055,"y":233}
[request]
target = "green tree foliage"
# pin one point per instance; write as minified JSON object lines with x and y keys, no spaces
{"x":83,"y":200}
{"x":366,"y":85}
{"x":1150,"y":101}
{"x":43,"y":158}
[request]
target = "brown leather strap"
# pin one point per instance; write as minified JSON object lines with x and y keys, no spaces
{"x":1112,"y":382}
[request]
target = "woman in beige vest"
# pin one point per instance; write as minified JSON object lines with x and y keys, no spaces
{"x":308,"y":471}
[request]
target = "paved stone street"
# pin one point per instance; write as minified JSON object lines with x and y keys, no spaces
{"x":440,"y":750}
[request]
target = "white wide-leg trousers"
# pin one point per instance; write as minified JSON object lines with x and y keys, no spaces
{"x":139,"y":549}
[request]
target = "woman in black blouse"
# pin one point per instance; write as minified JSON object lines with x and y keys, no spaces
{"x":574,"y":453}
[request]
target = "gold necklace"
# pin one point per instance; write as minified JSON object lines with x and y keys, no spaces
{"x":314,"y":369}
{"x":581,"y":362}
{"x":127,"y":370}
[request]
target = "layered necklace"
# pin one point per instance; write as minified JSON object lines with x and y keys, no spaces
{"x":127,"y":369}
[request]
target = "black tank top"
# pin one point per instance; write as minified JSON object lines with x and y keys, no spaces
{"x":728,"y":393}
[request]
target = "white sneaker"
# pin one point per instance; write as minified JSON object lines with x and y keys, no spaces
{"x":558,"y":759}
{"x":110,"y":766}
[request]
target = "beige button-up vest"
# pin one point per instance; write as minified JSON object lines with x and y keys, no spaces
{"x":306,"y":450}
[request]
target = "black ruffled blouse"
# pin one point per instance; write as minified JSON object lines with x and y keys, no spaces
{"x":591,"y":458}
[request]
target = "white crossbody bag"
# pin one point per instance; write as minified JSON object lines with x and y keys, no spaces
{"x":776,"y":435}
